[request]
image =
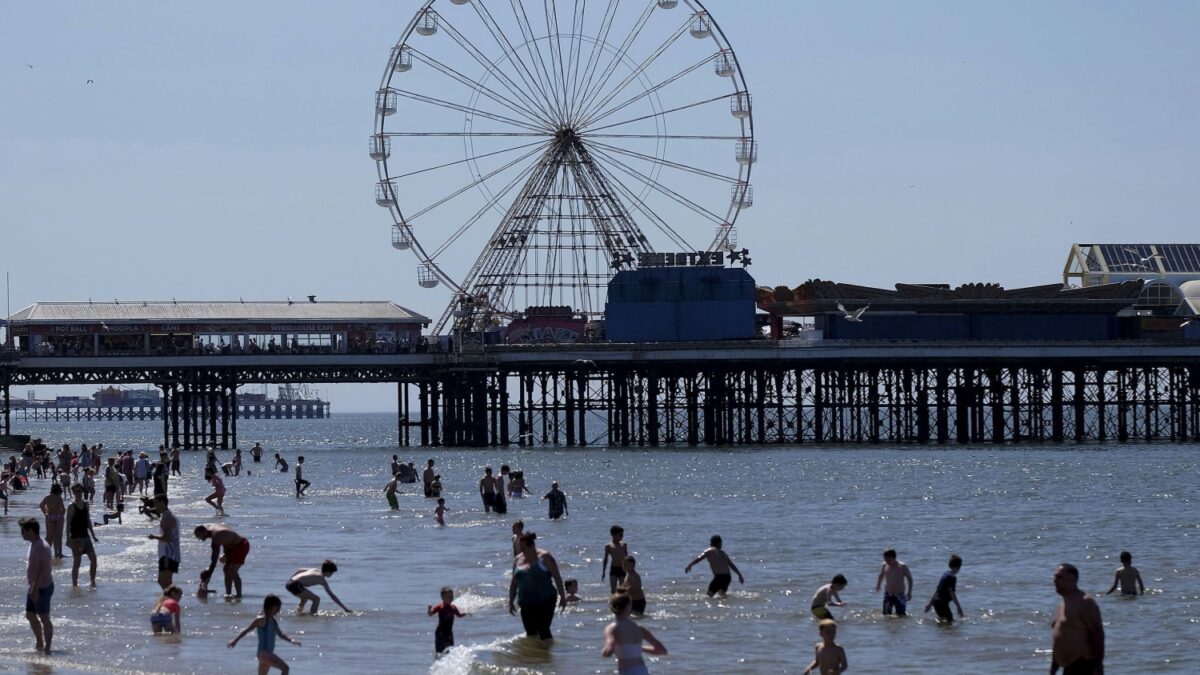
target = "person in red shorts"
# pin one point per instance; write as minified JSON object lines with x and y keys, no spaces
{"x":236,"y":548}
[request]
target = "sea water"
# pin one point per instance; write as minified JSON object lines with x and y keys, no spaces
{"x":791,"y":518}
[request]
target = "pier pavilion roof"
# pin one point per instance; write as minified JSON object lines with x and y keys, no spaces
{"x":285,"y":311}
{"x":820,"y":297}
{"x":1095,"y":264}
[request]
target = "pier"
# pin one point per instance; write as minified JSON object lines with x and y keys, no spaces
{"x":758,"y":392}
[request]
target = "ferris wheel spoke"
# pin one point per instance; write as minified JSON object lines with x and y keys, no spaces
{"x":617,"y":58}
{"x":594,"y":56}
{"x":532,"y":116}
{"x":466,"y":160}
{"x":531,"y":45}
{"x":678,"y":137}
{"x":637,"y":72}
{"x":667,"y":163}
{"x":517,"y":90}
{"x":575,"y":47}
{"x":550,"y":8}
{"x":662,"y":113}
{"x":468,"y":186}
{"x":640,"y":206}
{"x":467,"y":109}
{"x":519,"y":65}
{"x":659,"y":187}
{"x":600,"y":115}
{"x":491,"y":203}
{"x":434,"y":134}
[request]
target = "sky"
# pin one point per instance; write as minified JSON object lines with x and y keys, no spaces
{"x":221,"y":150}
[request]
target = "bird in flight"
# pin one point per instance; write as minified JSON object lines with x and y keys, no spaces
{"x":29,"y":66}
{"x":90,"y":81}
{"x":584,"y":362}
{"x":855,"y":316}
{"x":1142,"y":261}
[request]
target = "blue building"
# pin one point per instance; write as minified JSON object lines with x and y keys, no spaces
{"x":680,"y":304}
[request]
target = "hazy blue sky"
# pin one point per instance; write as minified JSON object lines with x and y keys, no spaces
{"x":221,"y":151}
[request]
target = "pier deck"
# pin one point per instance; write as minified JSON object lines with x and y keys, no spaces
{"x":754,"y":392}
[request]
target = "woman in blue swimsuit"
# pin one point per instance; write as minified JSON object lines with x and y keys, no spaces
{"x":267,"y":628}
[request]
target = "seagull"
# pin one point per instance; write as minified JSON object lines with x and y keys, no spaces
{"x":855,"y":316}
{"x":29,"y":66}
{"x":1142,"y":261}
{"x":584,"y":362}
{"x":1186,"y":322}
{"x":90,"y":81}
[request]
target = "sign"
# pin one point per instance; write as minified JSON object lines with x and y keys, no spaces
{"x":689,"y":259}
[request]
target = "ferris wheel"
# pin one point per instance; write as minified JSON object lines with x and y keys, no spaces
{"x":527,"y":150}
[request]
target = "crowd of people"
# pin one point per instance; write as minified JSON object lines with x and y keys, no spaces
{"x":536,"y":590}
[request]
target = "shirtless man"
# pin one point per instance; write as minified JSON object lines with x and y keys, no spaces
{"x":256,"y":452}
{"x":616,"y":550}
{"x":427,"y":477}
{"x":301,"y":484}
{"x":1078,"y":632}
{"x":236,"y":548}
{"x":1128,"y":577}
{"x":41,"y":585}
{"x":487,"y":490}
{"x":894,"y":573}
{"x":304,"y":579}
{"x":720,"y":564}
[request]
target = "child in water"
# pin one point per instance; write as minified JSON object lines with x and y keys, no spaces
{"x":830,"y":658}
{"x":440,"y":512}
{"x":572,"y":587}
{"x":946,"y":593}
{"x":267,"y":628}
{"x":203,"y":591}
{"x":443,"y":636}
{"x":1128,"y":577}
{"x":435,"y":487}
{"x":167,"y":617}
{"x":827,"y":596}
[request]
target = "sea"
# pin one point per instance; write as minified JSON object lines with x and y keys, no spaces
{"x":791,"y":518}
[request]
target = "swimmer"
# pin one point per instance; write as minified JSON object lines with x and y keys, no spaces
{"x":1128,"y":577}
{"x":236,"y":548}
{"x":301,"y":580}
{"x":427,"y":477}
{"x":827,"y":596}
{"x":719,"y":562}
{"x":440,"y":512}
{"x":1077,"y":636}
{"x":829,"y":657}
{"x":217,"y":498}
{"x":435,"y":488}
{"x":895,"y":573}
{"x":301,"y":484}
{"x":267,"y":628}
{"x":946,"y":593}
{"x":166,"y":617}
{"x":616,"y":550}
{"x":281,"y":463}
{"x":487,"y":490}
{"x":390,"y":491}
{"x":632,"y":586}
{"x":443,"y":636}
{"x":623,"y":638}
{"x":572,"y":586}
